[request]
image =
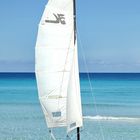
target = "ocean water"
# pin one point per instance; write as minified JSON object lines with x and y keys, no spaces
{"x":110,"y":101}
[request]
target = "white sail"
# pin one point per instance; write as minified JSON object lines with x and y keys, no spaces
{"x":55,"y":55}
{"x":74,"y":110}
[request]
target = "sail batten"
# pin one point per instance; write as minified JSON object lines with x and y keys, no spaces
{"x":56,"y":66}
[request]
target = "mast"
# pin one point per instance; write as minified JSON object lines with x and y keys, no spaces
{"x":78,"y":133}
{"x":74,"y":12}
{"x":75,"y":31}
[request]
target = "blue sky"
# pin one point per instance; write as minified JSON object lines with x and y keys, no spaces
{"x":108,"y":29}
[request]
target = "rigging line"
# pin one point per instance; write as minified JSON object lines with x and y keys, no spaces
{"x":52,"y":137}
{"x":49,"y":93}
{"x":65,"y":65}
{"x":91,"y":88}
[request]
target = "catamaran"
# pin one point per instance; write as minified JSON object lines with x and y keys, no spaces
{"x":56,"y":66}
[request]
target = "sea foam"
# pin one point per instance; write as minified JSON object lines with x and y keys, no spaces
{"x":111,"y":118}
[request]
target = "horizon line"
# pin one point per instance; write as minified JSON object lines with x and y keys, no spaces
{"x":79,"y":72}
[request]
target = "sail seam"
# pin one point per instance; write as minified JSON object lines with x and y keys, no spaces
{"x":44,"y":46}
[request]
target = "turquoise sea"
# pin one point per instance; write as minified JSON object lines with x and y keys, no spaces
{"x":111,"y":111}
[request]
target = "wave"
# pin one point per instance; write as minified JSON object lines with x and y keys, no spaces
{"x":111,"y":118}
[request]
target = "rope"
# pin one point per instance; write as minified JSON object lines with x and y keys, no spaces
{"x":91,"y":88}
{"x":52,"y":135}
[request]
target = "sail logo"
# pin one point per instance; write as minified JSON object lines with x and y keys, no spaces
{"x":59,"y":18}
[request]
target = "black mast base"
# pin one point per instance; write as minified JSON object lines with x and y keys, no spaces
{"x":78,"y":133}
